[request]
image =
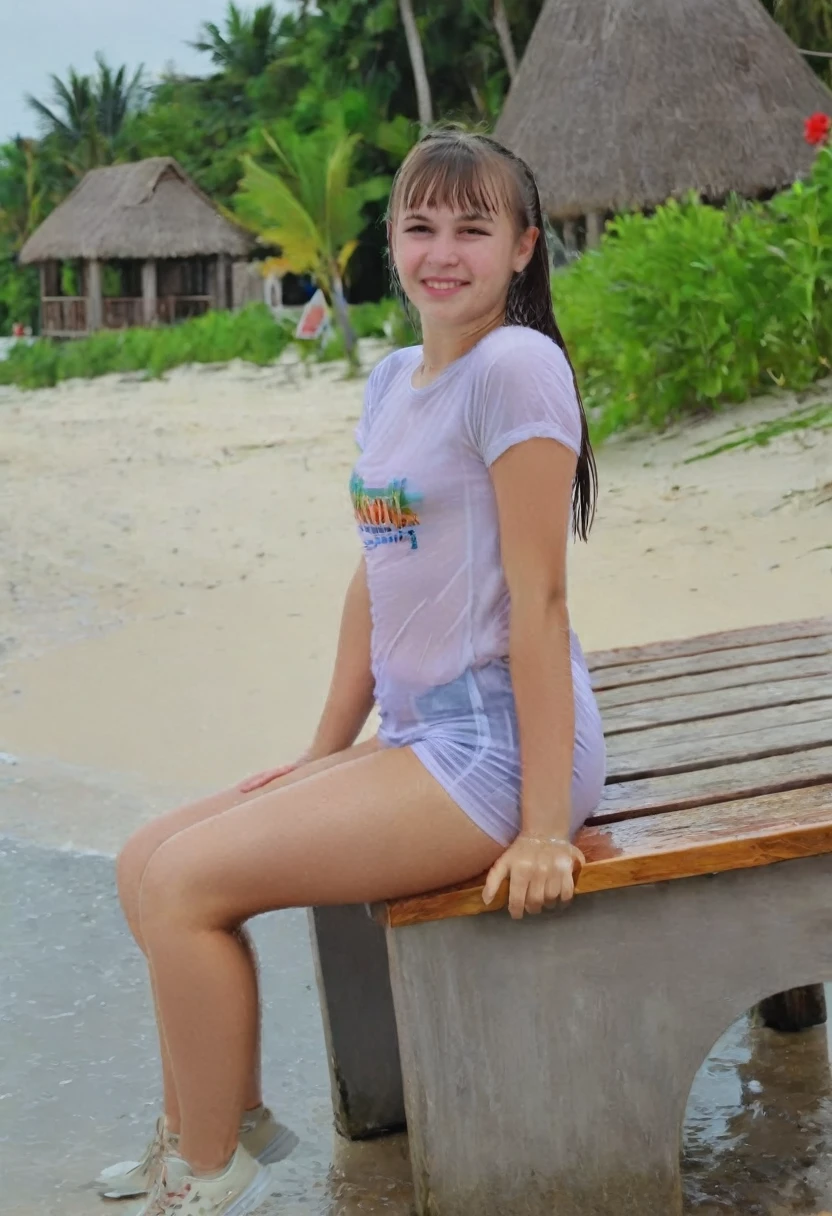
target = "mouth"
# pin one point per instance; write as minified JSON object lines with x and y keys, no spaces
{"x":443,"y":287}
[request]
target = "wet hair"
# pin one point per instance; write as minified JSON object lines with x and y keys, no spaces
{"x":472,"y":172}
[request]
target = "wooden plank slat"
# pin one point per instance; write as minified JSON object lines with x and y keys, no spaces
{"x":702,"y":731}
{"x":706,"y":840}
{"x":726,"y":640}
{"x":685,"y":755}
{"x":707,"y":704}
{"x":678,"y":791}
{"x":740,"y":657}
{"x":820,"y":666}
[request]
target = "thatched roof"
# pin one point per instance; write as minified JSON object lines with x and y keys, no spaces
{"x":150,"y":209}
{"x":625,"y":103}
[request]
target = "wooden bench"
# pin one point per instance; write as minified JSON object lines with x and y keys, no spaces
{"x":544,"y":1066}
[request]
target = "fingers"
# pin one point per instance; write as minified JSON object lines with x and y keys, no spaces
{"x":495,"y":879}
{"x":518,"y":889}
{"x":260,"y":779}
{"x":536,"y":894}
{"x":535,"y":882}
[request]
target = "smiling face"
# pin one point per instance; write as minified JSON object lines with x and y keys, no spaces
{"x":456,"y":255}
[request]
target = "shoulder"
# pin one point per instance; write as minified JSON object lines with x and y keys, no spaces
{"x":388,"y":370}
{"x":517,"y":349}
{"x":524,"y":389}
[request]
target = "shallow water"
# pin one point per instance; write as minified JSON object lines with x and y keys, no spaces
{"x":758,"y":1128}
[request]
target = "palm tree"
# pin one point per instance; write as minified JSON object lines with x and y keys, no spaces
{"x":22,"y":201}
{"x":88,"y":112}
{"x":248,"y":44}
{"x":417,"y":62}
{"x":309,"y":208}
{"x":503,"y":28}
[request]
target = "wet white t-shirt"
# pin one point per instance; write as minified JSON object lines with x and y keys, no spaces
{"x":426,"y":508}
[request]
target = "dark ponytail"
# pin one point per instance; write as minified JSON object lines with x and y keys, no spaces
{"x":460,"y":169}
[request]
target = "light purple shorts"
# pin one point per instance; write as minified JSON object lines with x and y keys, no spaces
{"x":465,"y":734}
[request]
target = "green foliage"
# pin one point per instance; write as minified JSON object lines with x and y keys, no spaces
{"x":306,"y":202}
{"x":809,"y":25}
{"x":252,"y":335}
{"x":309,"y":205}
{"x":19,"y":295}
{"x":385,"y":319}
{"x":247,"y":46}
{"x":694,"y":306}
{"x":70,"y":279}
{"x":87,"y":114}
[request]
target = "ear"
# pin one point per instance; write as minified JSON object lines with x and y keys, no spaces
{"x":525,"y":248}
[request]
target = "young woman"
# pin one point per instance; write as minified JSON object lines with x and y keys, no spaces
{"x":474,"y":467}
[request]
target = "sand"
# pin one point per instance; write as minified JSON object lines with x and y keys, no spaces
{"x":174,"y":556}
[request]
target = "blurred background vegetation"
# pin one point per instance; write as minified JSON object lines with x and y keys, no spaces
{"x":347,"y":85}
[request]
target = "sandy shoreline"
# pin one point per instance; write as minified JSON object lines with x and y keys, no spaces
{"x":175,"y":553}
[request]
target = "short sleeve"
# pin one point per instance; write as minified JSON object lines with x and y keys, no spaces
{"x":527,"y":391}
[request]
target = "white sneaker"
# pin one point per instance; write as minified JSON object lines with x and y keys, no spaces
{"x":238,"y":1191}
{"x":260,"y":1135}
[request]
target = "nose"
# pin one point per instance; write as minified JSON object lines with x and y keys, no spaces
{"x":443,"y":251}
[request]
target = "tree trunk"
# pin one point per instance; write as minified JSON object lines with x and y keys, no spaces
{"x":417,"y":61}
{"x":501,"y":25}
{"x":342,"y":317}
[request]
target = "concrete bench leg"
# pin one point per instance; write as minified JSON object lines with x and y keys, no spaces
{"x":359,"y":1022}
{"x":547,"y":1064}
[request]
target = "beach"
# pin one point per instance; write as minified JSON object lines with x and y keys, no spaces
{"x":175,"y":554}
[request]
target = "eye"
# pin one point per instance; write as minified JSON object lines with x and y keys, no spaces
{"x":476,"y":231}
{"x":417,"y":228}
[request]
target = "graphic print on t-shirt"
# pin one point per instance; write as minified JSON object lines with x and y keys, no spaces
{"x":385,"y":516}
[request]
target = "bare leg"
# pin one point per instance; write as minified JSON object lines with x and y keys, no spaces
{"x":373,"y":828}
{"x":131,"y":865}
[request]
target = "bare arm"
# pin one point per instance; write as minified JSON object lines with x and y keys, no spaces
{"x":350,"y":697}
{"x":533,"y":485}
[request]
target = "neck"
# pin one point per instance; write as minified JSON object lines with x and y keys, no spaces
{"x":441,"y":346}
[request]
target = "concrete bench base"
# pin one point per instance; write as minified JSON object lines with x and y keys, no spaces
{"x":547,"y":1064}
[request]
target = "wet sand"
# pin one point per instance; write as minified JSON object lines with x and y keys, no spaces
{"x":174,"y":555}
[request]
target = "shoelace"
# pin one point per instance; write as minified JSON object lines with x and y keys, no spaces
{"x":159,"y":1204}
{"x":156,"y":1148}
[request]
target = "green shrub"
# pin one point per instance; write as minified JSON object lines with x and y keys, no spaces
{"x":696,"y":305}
{"x":251,"y":334}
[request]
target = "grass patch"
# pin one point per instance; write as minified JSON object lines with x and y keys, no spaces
{"x":251,"y":334}
{"x":814,"y":417}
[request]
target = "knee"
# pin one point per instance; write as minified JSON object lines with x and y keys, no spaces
{"x":130,"y":866}
{"x":171,"y":893}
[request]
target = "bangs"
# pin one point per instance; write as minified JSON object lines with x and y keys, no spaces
{"x":453,"y":173}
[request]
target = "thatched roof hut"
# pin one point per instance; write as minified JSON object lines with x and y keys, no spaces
{"x":149,"y":209}
{"x":167,"y":245}
{"x":624,"y":103}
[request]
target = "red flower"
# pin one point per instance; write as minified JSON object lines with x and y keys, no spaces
{"x":816,"y":128}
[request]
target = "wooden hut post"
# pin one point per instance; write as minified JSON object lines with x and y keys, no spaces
{"x":149,"y":290}
{"x":221,"y":290}
{"x":570,"y":239}
{"x":95,"y":305}
{"x":594,"y":229}
{"x":43,"y":295}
